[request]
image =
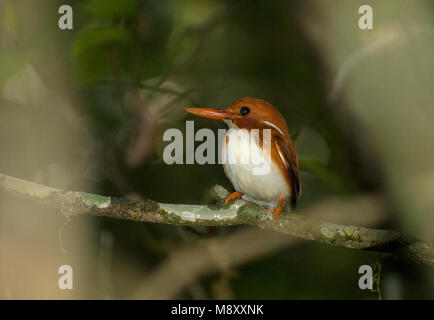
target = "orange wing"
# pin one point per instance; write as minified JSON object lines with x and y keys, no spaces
{"x":287,"y":153}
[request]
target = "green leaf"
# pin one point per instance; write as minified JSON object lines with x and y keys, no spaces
{"x":111,"y":8}
{"x":98,"y":37}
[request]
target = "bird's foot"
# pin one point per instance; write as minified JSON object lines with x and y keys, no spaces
{"x":233,"y":195}
{"x":278,"y":209}
{"x":276,"y":212}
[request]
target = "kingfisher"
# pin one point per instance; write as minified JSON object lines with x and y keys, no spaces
{"x":280,"y":186}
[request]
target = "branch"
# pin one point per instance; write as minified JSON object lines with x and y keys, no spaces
{"x":240,"y":212}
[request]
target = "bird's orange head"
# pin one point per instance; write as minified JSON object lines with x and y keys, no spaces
{"x":247,"y":113}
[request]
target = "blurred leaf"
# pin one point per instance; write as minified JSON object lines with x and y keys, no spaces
{"x":325,"y":174}
{"x":111,"y":8}
{"x":26,"y":87}
{"x":10,"y":62}
{"x":99,"y":36}
{"x":10,"y":19}
{"x":98,"y":50}
{"x":311,"y":144}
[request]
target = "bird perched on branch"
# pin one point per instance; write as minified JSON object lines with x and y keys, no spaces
{"x":273,"y":188}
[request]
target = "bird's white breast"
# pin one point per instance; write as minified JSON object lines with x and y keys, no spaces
{"x":263,"y":189}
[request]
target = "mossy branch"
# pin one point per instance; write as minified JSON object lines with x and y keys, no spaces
{"x":237,"y":213}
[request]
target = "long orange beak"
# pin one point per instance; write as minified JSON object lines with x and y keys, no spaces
{"x":211,"y":113}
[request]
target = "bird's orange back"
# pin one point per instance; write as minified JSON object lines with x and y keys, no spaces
{"x":262,"y":114}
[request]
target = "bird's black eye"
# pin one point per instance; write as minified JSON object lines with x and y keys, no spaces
{"x":244,"y":111}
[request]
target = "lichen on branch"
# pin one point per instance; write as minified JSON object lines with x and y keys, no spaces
{"x":238,"y":212}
